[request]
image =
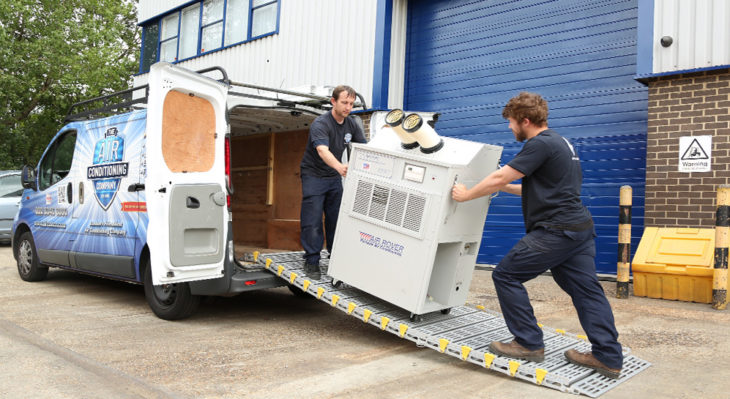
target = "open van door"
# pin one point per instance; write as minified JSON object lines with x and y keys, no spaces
{"x":185,"y":175}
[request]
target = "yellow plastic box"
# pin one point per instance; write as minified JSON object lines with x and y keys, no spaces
{"x":675,"y":263}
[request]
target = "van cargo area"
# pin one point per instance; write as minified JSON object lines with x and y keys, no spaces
{"x":170,"y":185}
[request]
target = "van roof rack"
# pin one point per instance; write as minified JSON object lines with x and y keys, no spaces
{"x":292,"y":99}
{"x":121,"y":101}
{"x":110,"y":104}
{"x":128,"y":100}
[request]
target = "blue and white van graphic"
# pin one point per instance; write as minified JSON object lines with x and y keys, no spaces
{"x":107,"y":167}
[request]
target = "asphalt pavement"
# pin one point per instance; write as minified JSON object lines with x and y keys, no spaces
{"x":77,"y":336}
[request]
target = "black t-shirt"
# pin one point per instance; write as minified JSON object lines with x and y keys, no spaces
{"x":326,"y":131}
{"x":552,"y":182}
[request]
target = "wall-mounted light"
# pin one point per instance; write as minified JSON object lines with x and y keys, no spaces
{"x":666,"y":41}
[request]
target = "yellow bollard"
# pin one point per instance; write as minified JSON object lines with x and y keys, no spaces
{"x":722,"y":224}
{"x":624,"y":243}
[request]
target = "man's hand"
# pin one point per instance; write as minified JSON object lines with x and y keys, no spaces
{"x":459,"y":193}
{"x":497,"y":180}
{"x":331,"y":161}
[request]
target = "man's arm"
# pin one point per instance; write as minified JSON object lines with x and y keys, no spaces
{"x":329,"y":158}
{"x":515,"y":189}
{"x":497,"y":180}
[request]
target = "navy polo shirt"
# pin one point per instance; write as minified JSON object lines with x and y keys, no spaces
{"x":552,"y":183}
{"x":326,"y":131}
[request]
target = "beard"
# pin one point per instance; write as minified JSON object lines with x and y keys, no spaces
{"x":520,"y":135}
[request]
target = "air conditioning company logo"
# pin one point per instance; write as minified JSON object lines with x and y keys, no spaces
{"x":382,"y":244}
{"x":108,"y":169}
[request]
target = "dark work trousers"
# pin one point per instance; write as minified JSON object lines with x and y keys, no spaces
{"x":570,"y":256}
{"x":319,"y":195}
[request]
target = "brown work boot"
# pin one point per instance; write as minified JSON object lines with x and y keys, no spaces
{"x":517,"y":351}
{"x":586,"y":359}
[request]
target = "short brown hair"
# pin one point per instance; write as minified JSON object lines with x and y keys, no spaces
{"x":527,"y":105}
{"x":339,"y":89}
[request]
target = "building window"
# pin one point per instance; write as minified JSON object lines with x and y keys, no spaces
{"x":150,"y":37}
{"x":211,"y":36}
{"x":168,"y":38}
{"x":205,"y":26}
{"x":263,"y":16}
{"x":236,"y":21}
{"x":189,"y":31}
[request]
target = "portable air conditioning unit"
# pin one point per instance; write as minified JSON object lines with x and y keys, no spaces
{"x":400,"y":236}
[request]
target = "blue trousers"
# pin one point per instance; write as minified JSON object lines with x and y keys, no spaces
{"x":319,"y":195}
{"x":570,"y":256}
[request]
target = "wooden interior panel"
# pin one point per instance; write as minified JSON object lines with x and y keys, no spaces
{"x":188,"y":133}
{"x":249,"y":188}
{"x":248,"y":204}
{"x":287,"y":181}
{"x":254,"y":222}
{"x":283,"y":234}
{"x":250,"y":151}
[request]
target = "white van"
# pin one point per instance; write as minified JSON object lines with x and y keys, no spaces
{"x":142,"y":196}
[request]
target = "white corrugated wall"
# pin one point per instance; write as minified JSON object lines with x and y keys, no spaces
{"x":151,"y":8}
{"x":320,"y":42}
{"x":700,"y":30}
{"x":396,"y":84}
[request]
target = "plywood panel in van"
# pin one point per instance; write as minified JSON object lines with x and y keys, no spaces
{"x":188,"y":133}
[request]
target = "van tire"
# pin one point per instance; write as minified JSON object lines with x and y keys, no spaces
{"x":29,"y":266}
{"x":169,"y":301}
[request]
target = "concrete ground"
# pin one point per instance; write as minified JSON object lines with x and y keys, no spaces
{"x":75,"y":336}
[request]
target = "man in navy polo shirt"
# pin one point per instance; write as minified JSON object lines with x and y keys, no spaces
{"x":322,"y":173}
{"x":559,"y":238}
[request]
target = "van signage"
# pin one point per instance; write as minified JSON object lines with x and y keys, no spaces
{"x":108,"y":169}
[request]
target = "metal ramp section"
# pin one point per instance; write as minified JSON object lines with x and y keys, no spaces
{"x":464,"y":333}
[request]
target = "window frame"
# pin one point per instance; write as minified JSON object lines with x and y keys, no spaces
{"x":198,"y":38}
{"x":251,"y":10}
{"x":157,"y":20}
{"x":176,"y":36}
{"x":142,"y":47}
{"x":202,"y":27}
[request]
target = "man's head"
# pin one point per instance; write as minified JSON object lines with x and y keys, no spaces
{"x":343,"y":97}
{"x":526,"y":112}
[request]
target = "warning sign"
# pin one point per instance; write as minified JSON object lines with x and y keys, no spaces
{"x":695,"y":153}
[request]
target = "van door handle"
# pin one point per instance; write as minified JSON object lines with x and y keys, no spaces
{"x":70,"y":193}
{"x":192,"y":203}
{"x":135,"y":187}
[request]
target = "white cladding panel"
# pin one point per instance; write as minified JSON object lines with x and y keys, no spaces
{"x":396,"y":85}
{"x":151,"y":8}
{"x":700,"y":30}
{"x":320,"y":43}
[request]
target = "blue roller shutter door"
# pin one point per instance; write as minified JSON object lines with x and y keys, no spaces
{"x":466,"y":59}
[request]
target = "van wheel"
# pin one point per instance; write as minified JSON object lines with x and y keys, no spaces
{"x":29,"y":267}
{"x":169,"y":301}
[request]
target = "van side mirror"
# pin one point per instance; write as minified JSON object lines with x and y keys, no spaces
{"x":28,"y":178}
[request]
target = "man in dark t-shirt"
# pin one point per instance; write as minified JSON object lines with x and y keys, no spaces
{"x":559,"y":238}
{"x":322,"y":173}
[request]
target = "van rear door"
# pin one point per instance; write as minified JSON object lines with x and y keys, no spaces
{"x":185,"y":175}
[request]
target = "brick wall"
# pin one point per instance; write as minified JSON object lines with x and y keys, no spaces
{"x":693,"y":104}
{"x":366,"y":116}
